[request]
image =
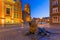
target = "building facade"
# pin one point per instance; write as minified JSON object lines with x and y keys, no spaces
{"x":10,"y":12}
{"x":55,"y":11}
{"x":46,"y":19}
{"x":26,"y":13}
{"x":36,"y":19}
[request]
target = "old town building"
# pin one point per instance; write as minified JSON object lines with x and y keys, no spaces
{"x":55,"y":11}
{"x":10,"y":11}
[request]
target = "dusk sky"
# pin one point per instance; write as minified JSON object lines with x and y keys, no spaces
{"x":39,"y":8}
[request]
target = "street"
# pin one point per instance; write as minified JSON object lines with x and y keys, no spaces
{"x":18,"y":33}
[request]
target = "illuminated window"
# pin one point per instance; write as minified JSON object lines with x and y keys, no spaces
{"x":8,"y":11}
{"x":15,"y":15}
{"x":55,"y":10}
{"x":15,"y":8}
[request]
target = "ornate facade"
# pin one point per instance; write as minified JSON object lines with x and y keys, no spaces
{"x":10,"y":12}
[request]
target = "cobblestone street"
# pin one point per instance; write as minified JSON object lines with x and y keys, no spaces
{"x":18,"y":33}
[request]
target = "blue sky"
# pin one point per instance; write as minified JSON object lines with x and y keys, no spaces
{"x":39,"y":8}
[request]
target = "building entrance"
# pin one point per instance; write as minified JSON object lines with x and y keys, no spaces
{"x":8,"y":21}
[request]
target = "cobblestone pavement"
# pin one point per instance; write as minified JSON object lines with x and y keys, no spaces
{"x":18,"y":33}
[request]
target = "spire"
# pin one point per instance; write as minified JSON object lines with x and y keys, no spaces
{"x":27,"y":8}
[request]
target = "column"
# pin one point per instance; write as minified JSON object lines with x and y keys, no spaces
{"x":2,"y":11}
{"x":12,"y":14}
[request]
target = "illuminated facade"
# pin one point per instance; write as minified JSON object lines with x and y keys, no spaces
{"x":10,"y":12}
{"x":55,"y":11}
{"x":27,"y":13}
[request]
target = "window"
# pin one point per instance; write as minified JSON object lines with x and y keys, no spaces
{"x":55,"y":19}
{"x":8,"y":11}
{"x":55,"y":10}
{"x":55,"y":2}
{"x":15,"y":15}
{"x":15,"y":8}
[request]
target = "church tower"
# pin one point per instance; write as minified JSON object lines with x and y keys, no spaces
{"x":27,"y":11}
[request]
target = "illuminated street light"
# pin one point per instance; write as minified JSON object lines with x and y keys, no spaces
{"x":41,"y":18}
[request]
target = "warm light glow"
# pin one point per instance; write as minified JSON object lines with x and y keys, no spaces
{"x":2,"y":21}
{"x":41,"y":18}
{"x":12,"y":21}
{"x":7,"y":12}
{"x":28,"y":19}
{"x":11,"y":1}
{"x":2,"y":16}
{"x":48,"y":19}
